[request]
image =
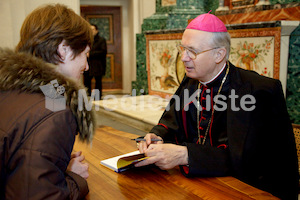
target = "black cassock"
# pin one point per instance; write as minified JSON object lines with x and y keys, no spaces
{"x":257,"y":147}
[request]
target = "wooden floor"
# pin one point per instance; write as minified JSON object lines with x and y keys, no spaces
{"x":151,"y":182}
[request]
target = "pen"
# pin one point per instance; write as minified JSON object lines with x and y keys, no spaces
{"x":142,"y":139}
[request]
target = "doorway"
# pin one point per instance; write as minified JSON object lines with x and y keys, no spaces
{"x":108,"y":21}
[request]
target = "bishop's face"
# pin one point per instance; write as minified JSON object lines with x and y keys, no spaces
{"x":204,"y":66}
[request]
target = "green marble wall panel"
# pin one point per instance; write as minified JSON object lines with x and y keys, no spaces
{"x":108,"y":68}
{"x":177,"y":21}
{"x":196,"y":4}
{"x":174,"y":17}
{"x":190,"y":4}
{"x":141,"y":83}
{"x":184,"y":10}
{"x":282,"y":1}
{"x":211,"y":5}
{"x":293,"y":79}
{"x":155,"y":22}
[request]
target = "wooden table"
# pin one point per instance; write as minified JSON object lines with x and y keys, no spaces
{"x":150,"y":182}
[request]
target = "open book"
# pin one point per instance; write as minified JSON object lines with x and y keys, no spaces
{"x":123,"y":162}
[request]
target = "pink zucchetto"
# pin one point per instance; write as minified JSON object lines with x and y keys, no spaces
{"x":207,"y":22}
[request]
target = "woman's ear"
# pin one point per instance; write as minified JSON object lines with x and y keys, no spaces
{"x":62,"y":50}
{"x":220,"y":55}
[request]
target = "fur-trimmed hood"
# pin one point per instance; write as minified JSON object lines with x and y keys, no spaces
{"x":24,"y":72}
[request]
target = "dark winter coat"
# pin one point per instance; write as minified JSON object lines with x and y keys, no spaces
{"x":97,"y":57}
{"x":35,"y":142}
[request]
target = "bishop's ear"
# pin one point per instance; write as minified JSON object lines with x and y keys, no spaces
{"x":220,"y":54}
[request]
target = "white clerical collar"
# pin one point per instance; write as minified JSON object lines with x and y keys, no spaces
{"x":211,"y":80}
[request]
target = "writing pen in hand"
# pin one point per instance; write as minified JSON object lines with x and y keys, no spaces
{"x":142,"y":139}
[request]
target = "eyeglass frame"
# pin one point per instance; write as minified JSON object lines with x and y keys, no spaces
{"x":192,"y":51}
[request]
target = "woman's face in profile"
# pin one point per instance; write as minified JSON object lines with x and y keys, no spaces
{"x":73,"y":67}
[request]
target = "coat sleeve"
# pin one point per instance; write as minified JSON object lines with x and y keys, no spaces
{"x":77,"y":185}
{"x":206,"y":161}
{"x":38,"y":169}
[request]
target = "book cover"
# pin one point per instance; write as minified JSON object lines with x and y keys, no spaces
{"x":123,"y":162}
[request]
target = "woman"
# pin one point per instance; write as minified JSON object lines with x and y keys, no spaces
{"x":36,"y":137}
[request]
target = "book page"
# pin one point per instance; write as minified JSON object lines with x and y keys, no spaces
{"x":112,"y":162}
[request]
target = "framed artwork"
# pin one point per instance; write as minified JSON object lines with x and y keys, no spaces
{"x":257,"y":50}
{"x":165,"y":69}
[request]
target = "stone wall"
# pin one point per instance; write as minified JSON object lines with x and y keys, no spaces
{"x":293,"y":79}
